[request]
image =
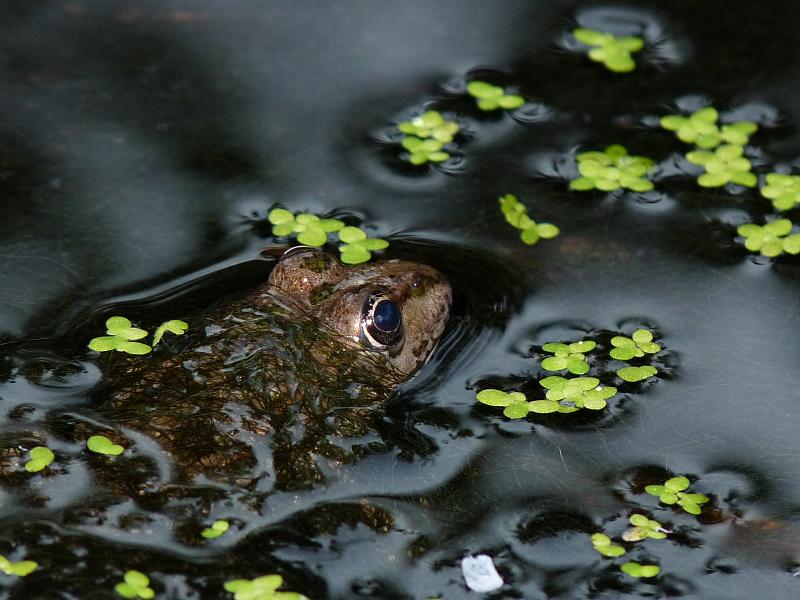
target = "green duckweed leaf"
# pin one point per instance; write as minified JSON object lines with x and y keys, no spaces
{"x":493,"y":397}
{"x":516,"y":410}
{"x":602,"y":544}
{"x":354,"y":254}
{"x":133,"y":348}
{"x":314,"y":237}
{"x":174,"y":326}
{"x":510,"y":102}
{"x":40,"y":457}
{"x":676,"y":484}
{"x":350,"y":234}
{"x":481,"y":89}
{"x":554,"y":363}
{"x":634,"y":374}
{"x":544,"y":406}
{"x":105,"y":343}
{"x":217,"y":529}
{"x":102,"y":445}
{"x":634,"y":569}
{"x":283,"y":229}
{"x":279,"y":216}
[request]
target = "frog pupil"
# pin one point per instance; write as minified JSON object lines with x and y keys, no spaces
{"x":386,"y":316}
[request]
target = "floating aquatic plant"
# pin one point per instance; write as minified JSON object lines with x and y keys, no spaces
{"x":671,"y":492}
{"x":783,"y":190}
{"x":517,"y":215}
{"x":568,"y":395}
{"x":310,"y":229}
{"x":217,"y":529}
{"x":634,"y":569}
{"x":421,"y":151}
{"x":724,"y":165}
{"x":771,"y":239}
{"x":40,"y":457}
{"x":516,"y":406}
{"x":639,"y":344}
{"x":614,"y":52}
{"x":135,"y":585}
{"x":174,"y":326}
{"x":100,"y":444}
{"x":492,"y":97}
{"x":602,"y":544}
{"x":571,"y":357}
{"x":644,"y":528}
{"x":700,"y":128}
{"x":121,"y":336}
{"x":612,"y":169}
{"x":357,"y":246}
{"x":430,"y":124}
{"x":633,"y":374}
{"x":261,"y":588}
{"x":20,"y":568}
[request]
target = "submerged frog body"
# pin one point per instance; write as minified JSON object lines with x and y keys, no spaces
{"x":282,"y":380}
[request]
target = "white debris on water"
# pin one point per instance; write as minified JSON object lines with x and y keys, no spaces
{"x":480,"y":574}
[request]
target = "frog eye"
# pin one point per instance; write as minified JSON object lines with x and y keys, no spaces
{"x":381,"y":322}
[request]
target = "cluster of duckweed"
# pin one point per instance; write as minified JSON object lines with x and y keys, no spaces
{"x":356,"y":247}
{"x":701,"y":129}
{"x":135,"y":584}
{"x":612,"y":169}
{"x":570,"y":394}
{"x":425,"y":136}
{"x":672,"y":492}
{"x":782,"y":189}
{"x":121,"y":336}
{"x":517,"y":216}
{"x":642,"y":527}
{"x":492,"y":97}
{"x":217,"y":528}
{"x":261,"y":588}
{"x":771,"y":239}
{"x":724,"y":165}
{"x":571,"y":357}
{"x":612,"y":51}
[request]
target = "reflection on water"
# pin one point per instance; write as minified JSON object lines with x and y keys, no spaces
{"x":140,"y":148}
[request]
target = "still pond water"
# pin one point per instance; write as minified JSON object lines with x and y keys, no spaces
{"x":141,"y":147}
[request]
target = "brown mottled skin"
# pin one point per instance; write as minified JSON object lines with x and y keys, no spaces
{"x":273,"y":381}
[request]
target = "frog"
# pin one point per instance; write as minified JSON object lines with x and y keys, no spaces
{"x":282,"y":382}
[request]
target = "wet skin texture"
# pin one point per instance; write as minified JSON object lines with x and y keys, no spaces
{"x":269,"y":385}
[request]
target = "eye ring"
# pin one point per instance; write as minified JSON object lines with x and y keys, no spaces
{"x":381,"y":322}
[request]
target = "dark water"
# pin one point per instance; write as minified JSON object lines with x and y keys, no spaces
{"x":140,"y":143}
